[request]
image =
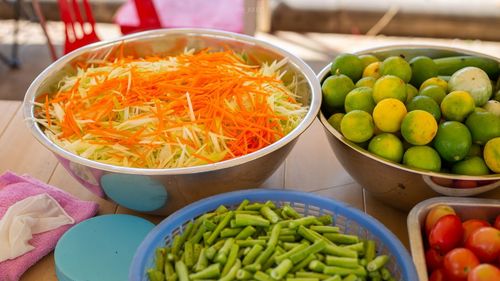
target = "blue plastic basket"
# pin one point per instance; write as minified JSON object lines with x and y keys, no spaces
{"x":349,"y":219}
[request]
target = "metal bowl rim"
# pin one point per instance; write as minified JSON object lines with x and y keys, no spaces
{"x":326,"y":70}
{"x":301,"y":66}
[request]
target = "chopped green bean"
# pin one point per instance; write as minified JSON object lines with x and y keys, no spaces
{"x":222,"y":254}
{"x":342,"y":271}
{"x":305,"y":221}
{"x":386,"y":274}
{"x":290,"y":245}
{"x":325,"y":228}
{"x":250,"y":242}
{"x":350,"y":277}
{"x":220,"y":226}
{"x":358,"y":247}
{"x":273,"y":239}
{"x":340,"y":238}
{"x":286,"y":255}
{"x":245,"y":220}
{"x":269,"y":214}
{"x":231,"y":275}
{"x":188,"y":254}
{"x":155,"y":275}
{"x":339,"y":251}
{"x":334,"y":278}
{"x":212,"y":271}
{"x":230,"y":232}
{"x":342,"y":261}
{"x":243,"y":274}
{"x":282,"y":269}
{"x":303,"y":263}
{"x":231,"y":260}
{"x":301,"y":279}
{"x":181,"y":270}
{"x":290,"y":212}
{"x":311,"y":275}
{"x":221,"y":209}
{"x":369,"y":250}
{"x":252,"y":254}
{"x":243,"y":204}
{"x":317,"y":266}
{"x":199,"y":234}
{"x":377,"y":263}
{"x":160,"y":259}
{"x":326,"y":219}
{"x":261,"y":276}
{"x":313,"y":249}
{"x":202,"y":262}
{"x":246,"y":232}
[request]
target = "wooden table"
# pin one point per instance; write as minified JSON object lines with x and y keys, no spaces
{"x":311,"y":165}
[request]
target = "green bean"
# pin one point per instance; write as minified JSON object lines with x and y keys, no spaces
{"x":374,"y":274}
{"x":311,"y":275}
{"x":341,"y":238}
{"x":176,"y":245}
{"x":350,"y":277}
{"x":243,"y":204}
{"x":282,"y":269}
{"x":288,"y":231}
{"x":206,"y":235}
{"x":160,"y":259}
{"x":244,"y":220}
{"x":252,"y":254}
{"x":326,"y":219}
{"x":168,"y":268}
{"x":188,"y":254}
{"x":317,"y":266}
{"x":305,"y":221}
{"x":243,"y":275}
{"x":197,"y":251}
{"x":233,"y":256}
{"x":377,"y":263}
{"x":272,"y":259}
{"x":313,"y":249}
{"x":286,"y":255}
{"x":303,"y":263}
{"x":325,"y":228}
{"x":273,"y":239}
{"x":339,"y":251}
{"x":212,"y":271}
{"x":210,"y":253}
{"x":287,"y":238}
{"x":264,"y":256}
{"x":311,"y":235}
{"x":257,"y":213}
{"x":358,"y":247}
{"x":196,"y":238}
{"x":369,"y":250}
{"x":269,"y":214}
{"x":290,"y":212}
{"x":301,"y":279}
{"x":290,"y":245}
{"x":246,"y":232}
{"x":221,"y":256}
{"x":172,"y":277}
{"x":334,"y":278}
{"x":221,"y":209}
{"x":386,"y":274}
{"x":230,"y":232}
{"x":155,"y":275}
{"x":363,"y":262}
{"x":261,"y":276}
{"x":202,"y":262}
{"x":181,"y":271}
{"x":231,"y":275}
{"x":254,"y":267}
{"x":220,"y":226}
{"x":342,"y":271}
{"x":250,"y":242}
{"x":342,"y":261}
{"x":209,"y":225}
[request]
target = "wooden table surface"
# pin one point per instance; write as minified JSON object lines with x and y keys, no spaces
{"x":311,"y":166}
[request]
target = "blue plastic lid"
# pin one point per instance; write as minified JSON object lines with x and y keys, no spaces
{"x":100,"y":248}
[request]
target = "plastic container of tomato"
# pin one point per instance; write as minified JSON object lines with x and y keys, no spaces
{"x":466,"y":208}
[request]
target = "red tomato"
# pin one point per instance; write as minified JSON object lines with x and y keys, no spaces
{"x":437,"y":275}
{"x":496,"y":224}
{"x":433,"y":259}
{"x":472,"y":225}
{"x":458,"y":263}
{"x":435,"y":214}
{"x":484,"y":272}
{"x":446,"y":234}
{"x":485,"y":243}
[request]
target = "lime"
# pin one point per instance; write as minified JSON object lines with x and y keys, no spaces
{"x":357,"y":126}
{"x":491,"y":154}
{"x":474,"y":81}
{"x":483,"y":126}
{"x":359,"y":98}
{"x":349,"y":65}
{"x":422,"y":157}
{"x":425,"y":103}
{"x":435,"y":81}
{"x":435,"y":92}
{"x":452,"y":141}
{"x":411,"y":92}
{"x":396,"y":66}
{"x":389,"y":86}
{"x":472,"y":166}
{"x":479,"y":109}
{"x":367,"y":59}
{"x":334,"y":89}
{"x":387,"y":146}
{"x":418,"y":127}
{"x":457,"y":105}
{"x":422,"y":68}
{"x":493,"y":106}
{"x":335,"y":120}
{"x":372,"y":70}
{"x":366,"y":82}
{"x":388,"y":115}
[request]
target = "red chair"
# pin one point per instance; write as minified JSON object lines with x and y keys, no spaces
{"x":79,"y":28}
{"x":145,"y":13}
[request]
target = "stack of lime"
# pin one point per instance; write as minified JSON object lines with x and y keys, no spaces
{"x":438,"y":114}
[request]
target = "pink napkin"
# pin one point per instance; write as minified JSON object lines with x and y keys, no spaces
{"x":14,"y":188}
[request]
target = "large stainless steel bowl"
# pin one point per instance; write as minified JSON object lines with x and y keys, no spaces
{"x":394,"y":184}
{"x":161,"y":191}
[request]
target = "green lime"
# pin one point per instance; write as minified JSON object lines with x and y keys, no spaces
{"x":474,"y":81}
{"x":435,"y":92}
{"x":479,"y":109}
{"x":457,"y":105}
{"x":435,"y":81}
{"x":367,"y":59}
{"x":357,"y":126}
{"x":419,"y":127}
{"x":422,"y":157}
{"x":360,"y":98}
{"x":472,"y":166}
{"x":372,"y":70}
{"x":348,"y":64}
{"x":452,"y":141}
{"x":396,"y":66}
{"x":422,"y":68}
{"x":411,"y":92}
{"x":483,"y":126}
{"x":425,"y":103}
{"x":334,"y":89}
{"x":491,"y":154}
{"x":335,"y":120}
{"x":388,"y":114}
{"x":388,"y":146}
{"x":366,"y":82}
{"x":389,"y":86}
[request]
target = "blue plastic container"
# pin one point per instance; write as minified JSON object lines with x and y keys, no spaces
{"x":349,"y":219}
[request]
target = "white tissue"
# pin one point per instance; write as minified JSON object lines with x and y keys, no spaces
{"x":32,"y":215}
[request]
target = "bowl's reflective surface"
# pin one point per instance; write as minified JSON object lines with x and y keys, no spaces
{"x":162,"y":191}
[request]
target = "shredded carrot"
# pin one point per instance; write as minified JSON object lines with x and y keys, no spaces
{"x":162,"y":112}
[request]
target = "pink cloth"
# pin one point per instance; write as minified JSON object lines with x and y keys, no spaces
{"x":217,"y":14}
{"x":14,"y":188}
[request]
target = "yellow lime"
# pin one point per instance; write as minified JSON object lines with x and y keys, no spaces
{"x":483,"y":126}
{"x":419,"y":127}
{"x":389,"y":86}
{"x":435,"y":81}
{"x":435,"y":92}
{"x":367,"y":59}
{"x":425,"y":103}
{"x":359,"y":98}
{"x":422,"y":68}
{"x":349,"y":65}
{"x":372,"y":70}
{"x":366,"y":82}
{"x":335,"y":120}
{"x":396,"y":66}
{"x":388,"y":115}
{"x":472,"y":166}
{"x":388,"y":146}
{"x":474,"y":81}
{"x":491,"y":154}
{"x":411,"y":92}
{"x":334,"y":89}
{"x":457,"y":105}
{"x":422,"y":157}
{"x":357,"y":126}
{"x":452,"y":141}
